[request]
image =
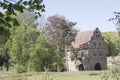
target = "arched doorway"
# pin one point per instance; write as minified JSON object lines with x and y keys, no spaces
{"x":81,"y":67}
{"x":97,"y":66}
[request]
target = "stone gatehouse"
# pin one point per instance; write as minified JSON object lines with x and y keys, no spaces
{"x":91,"y":52}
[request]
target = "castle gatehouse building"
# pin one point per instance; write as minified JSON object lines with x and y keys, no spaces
{"x":91,"y":52}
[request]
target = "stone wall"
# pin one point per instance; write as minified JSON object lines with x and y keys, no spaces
{"x":94,"y":57}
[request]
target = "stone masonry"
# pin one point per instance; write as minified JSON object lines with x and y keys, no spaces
{"x":91,"y":52}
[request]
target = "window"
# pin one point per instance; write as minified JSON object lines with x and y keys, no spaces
{"x":97,"y":36}
{"x":94,"y":43}
{"x":94,"y":54}
{"x":100,"y":53}
{"x":99,"y":43}
{"x":82,"y":53}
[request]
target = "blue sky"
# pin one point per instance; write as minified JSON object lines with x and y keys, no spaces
{"x":88,"y":14}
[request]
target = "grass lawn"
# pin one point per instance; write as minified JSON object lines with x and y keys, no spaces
{"x":84,"y":75}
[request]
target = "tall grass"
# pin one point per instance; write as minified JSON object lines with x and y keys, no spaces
{"x":51,"y":76}
{"x":114,"y":72}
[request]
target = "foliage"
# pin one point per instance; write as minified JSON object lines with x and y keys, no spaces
{"x":4,"y":58}
{"x":11,"y":6}
{"x":29,"y":49}
{"x":8,"y":19}
{"x":4,"y":55}
{"x":112,"y":40}
{"x":60,"y":31}
{"x":43,"y":55}
{"x":21,"y":41}
{"x":114,"y":72}
{"x":10,"y":9}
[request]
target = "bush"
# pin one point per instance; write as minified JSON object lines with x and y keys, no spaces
{"x":20,"y":69}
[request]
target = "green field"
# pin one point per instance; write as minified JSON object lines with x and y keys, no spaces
{"x":85,"y":75}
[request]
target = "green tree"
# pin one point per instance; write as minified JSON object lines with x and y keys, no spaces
{"x":112,"y":39}
{"x":29,"y":49}
{"x":116,"y":20}
{"x":4,"y":55}
{"x":22,"y":40}
{"x":60,"y":32}
{"x":11,"y":7}
{"x":43,"y":55}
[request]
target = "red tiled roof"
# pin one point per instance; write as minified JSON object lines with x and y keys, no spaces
{"x":82,"y":38}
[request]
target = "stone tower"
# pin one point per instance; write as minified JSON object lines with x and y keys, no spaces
{"x":91,"y":52}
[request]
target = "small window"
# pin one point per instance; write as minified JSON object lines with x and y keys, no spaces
{"x":100,"y":53}
{"x":99,"y":43}
{"x":97,"y":36}
{"x":96,"y":32}
{"x":94,"y":43}
{"x":94,"y":54}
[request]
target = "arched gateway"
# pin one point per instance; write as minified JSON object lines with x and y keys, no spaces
{"x":97,"y":66}
{"x":81,"y":67}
